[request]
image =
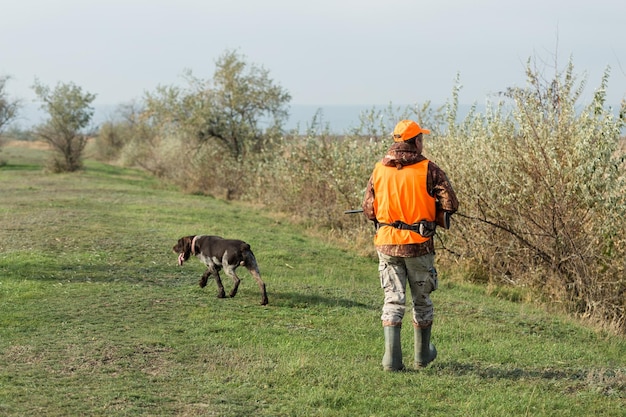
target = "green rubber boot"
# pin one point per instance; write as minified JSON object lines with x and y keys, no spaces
{"x":392,"y":360}
{"x":425,"y":351}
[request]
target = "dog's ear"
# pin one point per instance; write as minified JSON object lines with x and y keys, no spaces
{"x":182,"y":244}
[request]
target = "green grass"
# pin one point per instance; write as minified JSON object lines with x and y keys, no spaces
{"x":96,"y":318}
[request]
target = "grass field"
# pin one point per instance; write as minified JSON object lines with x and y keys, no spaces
{"x":97,"y":319}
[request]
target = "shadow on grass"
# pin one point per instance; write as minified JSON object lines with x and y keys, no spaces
{"x":76,"y":272}
{"x":157,"y":276}
{"x":514,"y":373}
{"x":303,"y":300}
{"x":20,"y":167}
{"x":608,"y":381}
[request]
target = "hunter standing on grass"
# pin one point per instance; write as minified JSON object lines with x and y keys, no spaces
{"x":407,"y":196}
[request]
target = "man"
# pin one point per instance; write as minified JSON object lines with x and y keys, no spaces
{"x":407,"y":196}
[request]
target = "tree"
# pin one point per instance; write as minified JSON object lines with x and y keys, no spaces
{"x":230,"y":110}
{"x":242,"y":98}
{"x":70,"y":112}
{"x":213,"y":128}
{"x":8,"y":107}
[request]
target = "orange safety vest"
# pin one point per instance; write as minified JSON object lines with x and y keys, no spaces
{"x":401,"y":194}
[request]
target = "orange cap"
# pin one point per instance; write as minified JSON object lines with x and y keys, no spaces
{"x":407,"y":129}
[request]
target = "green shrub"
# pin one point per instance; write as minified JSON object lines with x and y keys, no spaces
{"x":541,"y":185}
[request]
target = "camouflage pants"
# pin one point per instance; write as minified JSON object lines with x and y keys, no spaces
{"x":421,"y":275}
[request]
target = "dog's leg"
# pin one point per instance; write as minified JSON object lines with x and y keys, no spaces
{"x":205,"y":278}
{"x":220,"y":287}
{"x":230,"y":271}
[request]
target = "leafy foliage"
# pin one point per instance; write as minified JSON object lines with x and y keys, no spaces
{"x":115,"y":134}
{"x":8,"y":106}
{"x":542,"y":187}
{"x":201,"y":136}
{"x":242,"y":98}
{"x":69,"y":114}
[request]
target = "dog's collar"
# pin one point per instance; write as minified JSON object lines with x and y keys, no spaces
{"x":193,"y":245}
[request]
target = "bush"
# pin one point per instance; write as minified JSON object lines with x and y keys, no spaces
{"x":119,"y":131}
{"x":69,"y":114}
{"x":542,"y":191}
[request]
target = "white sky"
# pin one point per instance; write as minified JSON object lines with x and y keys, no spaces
{"x":324,"y":52}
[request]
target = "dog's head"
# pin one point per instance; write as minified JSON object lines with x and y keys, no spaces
{"x":183,"y":248}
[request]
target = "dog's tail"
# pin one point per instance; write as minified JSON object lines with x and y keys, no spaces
{"x":249,"y":260}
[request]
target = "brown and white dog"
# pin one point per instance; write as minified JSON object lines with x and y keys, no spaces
{"x":217,"y":253}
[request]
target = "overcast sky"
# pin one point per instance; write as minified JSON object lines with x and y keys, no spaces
{"x":324,"y":52}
